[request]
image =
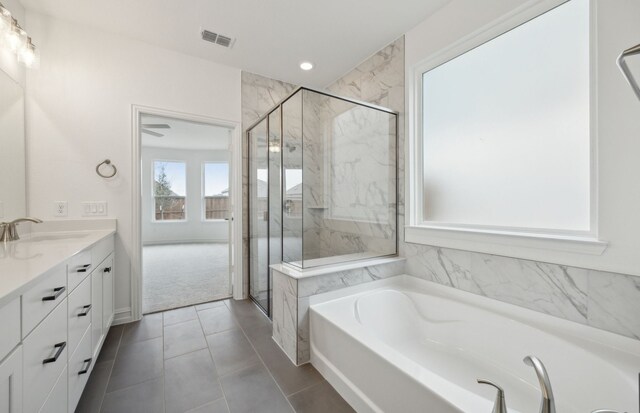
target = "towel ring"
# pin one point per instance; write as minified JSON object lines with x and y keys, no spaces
{"x":107,"y":162}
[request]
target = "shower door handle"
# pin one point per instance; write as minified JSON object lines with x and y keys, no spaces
{"x":265,"y":216}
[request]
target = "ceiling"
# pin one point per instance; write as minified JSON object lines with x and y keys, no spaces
{"x":272,"y":36}
{"x":185,"y":135}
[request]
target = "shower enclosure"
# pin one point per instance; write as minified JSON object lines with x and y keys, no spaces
{"x":322,"y":185}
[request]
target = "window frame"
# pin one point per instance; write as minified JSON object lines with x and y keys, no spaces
{"x":203,"y":208}
{"x":153,"y":195}
{"x":485,"y":238}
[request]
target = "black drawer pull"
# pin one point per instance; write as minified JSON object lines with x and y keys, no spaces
{"x":60,"y":347}
{"x":86,"y":368}
{"x":57,"y":292}
{"x":86,"y":308}
{"x":84,"y":268}
{"x":107,"y":269}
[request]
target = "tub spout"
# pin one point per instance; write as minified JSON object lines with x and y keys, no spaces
{"x":500,"y":406}
{"x":547,"y":405}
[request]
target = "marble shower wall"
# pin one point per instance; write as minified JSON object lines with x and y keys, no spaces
{"x":378,"y":80}
{"x":599,"y":299}
{"x":259,"y":94}
{"x":349,"y":178}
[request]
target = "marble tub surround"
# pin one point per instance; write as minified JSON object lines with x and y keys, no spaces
{"x":603,"y":300}
{"x":292,"y":289}
{"x":23,"y":262}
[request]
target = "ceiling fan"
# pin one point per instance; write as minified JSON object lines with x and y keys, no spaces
{"x":146,"y":128}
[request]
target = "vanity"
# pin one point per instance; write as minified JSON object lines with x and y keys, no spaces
{"x":56,"y":284}
{"x":56,"y":307}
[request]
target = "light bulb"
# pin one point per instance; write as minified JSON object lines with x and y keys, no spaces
{"x":16,"y":37}
{"x":27,"y":54}
{"x":5,"y":22}
{"x":306,"y":65}
{"x":274,"y":148}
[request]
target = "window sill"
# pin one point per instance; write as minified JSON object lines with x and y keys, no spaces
{"x":515,"y":244}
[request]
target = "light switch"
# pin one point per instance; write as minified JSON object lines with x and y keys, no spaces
{"x":94,"y":208}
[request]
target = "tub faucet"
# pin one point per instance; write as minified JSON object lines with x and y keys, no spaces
{"x":547,"y":405}
{"x":500,"y":406}
{"x":9,"y":231}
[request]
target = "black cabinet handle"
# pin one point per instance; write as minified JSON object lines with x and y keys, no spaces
{"x":86,"y":368}
{"x":84,"y":268}
{"x":86,"y":308}
{"x":57,"y":292}
{"x":107,"y":269}
{"x":60,"y":347}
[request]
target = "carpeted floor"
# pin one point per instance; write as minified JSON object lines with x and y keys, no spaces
{"x":178,"y":275}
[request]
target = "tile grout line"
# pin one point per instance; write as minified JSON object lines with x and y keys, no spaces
{"x":224,"y":395}
{"x":104,"y":393}
{"x":308,"y":387}
{"x":262,"y":361}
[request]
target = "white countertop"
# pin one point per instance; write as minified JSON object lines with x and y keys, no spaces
{"x":24,"y":261}
{"x":298,"y":273}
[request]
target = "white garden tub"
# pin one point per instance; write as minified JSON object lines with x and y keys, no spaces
{"x":407,"y":345}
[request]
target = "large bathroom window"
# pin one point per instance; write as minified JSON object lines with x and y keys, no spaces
{"x":504,"y":131}
{"x":169,"y":190}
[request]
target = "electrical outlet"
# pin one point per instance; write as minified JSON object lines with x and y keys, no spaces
{"x":94,"y":209}
{"x":60,"y":209}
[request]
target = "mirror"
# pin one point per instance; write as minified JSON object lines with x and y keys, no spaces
{"x":13,"y":188}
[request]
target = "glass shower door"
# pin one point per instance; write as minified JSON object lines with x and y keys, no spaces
{"x":259,"y":283}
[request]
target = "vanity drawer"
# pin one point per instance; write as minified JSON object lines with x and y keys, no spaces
{"x":79,"y":369}
{"x":79,"y":312}
{"x":10,"y":324}
{"x":80,"y":265}
{"x":43,"y":297}
{"x":57,"y":400}
{"x":45,"y":356}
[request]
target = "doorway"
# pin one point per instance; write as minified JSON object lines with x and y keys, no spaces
{"x":186,"y":211}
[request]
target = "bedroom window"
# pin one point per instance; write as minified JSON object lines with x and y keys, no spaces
{"x":215,"y":179}
{"x":169,"y":190}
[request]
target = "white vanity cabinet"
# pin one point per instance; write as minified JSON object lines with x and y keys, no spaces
{"x":11,"y":382}
{"x":102,"y":299}
{"x":52,"y":330}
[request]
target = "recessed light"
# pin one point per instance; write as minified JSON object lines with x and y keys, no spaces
{"x":306,"y":65}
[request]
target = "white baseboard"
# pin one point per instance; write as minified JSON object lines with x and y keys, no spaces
{"x":122,"y":316}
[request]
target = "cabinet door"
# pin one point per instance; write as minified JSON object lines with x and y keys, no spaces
{"x":96,"y":311}
{"x":107,"y":294}
{"x":57,"y":400}
{"x":11,"y":383}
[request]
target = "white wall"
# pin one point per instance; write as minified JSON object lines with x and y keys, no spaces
{"x":194,"y":228}
{"x":79,"y":113}
{"x":618,"y":122}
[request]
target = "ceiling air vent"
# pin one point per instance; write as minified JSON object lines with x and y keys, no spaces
{"x":216,"y":38}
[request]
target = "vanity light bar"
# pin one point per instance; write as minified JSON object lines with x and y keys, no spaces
{"x":13,"y":36}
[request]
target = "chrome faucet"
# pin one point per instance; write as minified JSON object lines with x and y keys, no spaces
{"x":499,"y":406}
{"x":547,"y":404}
{"x":9,"y":231}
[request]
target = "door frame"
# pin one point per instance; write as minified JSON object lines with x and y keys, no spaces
{"x":235,"y":177}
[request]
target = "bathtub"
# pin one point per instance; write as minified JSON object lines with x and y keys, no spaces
{"x":407,"y":345}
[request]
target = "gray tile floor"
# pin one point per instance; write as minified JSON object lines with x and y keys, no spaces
{"x":211,"y":358}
